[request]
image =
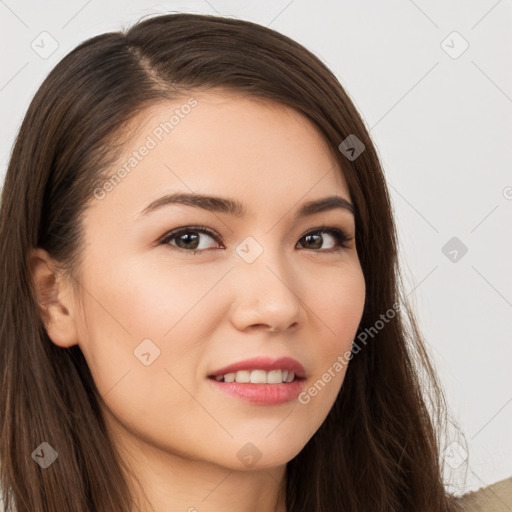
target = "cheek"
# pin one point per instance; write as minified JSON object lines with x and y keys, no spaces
{"x":136,"y":301}
{"x":144,"y":376}
{"x":340,"y":309}
{"x":340,"y":306}
{"x":142,"y":326}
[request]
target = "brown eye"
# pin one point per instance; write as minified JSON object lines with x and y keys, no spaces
{"x":315,"y":239}
{"x":189,"y":238}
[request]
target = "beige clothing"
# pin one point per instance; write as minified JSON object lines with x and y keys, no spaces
{"x":494,"y":498}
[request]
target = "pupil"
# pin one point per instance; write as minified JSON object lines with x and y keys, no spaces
{"x":189,"y":237}
{"x":318,"y":240}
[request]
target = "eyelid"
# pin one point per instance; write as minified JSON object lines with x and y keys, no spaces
{"x":343,"y":233}
{"x":175,"y":232}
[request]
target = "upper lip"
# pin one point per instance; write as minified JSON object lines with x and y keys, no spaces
{"x":264,"y":363}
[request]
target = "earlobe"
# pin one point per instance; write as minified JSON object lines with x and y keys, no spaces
{"x":54,"y":297}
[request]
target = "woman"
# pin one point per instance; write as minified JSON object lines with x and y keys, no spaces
{"x":202,"y":303}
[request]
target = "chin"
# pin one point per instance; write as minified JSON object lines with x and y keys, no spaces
{"x":264,"y":454}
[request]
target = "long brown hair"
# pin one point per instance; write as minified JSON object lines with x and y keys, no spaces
{"x":378,"y":448}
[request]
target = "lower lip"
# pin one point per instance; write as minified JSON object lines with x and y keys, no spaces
{"x":261,"y":394}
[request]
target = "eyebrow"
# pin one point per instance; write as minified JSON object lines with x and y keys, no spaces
{"x":237,"y":209}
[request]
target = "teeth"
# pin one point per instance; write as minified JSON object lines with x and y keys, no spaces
{"x":243,"y":376}
{"x":258,"y":377}
{"x":274,"y":376}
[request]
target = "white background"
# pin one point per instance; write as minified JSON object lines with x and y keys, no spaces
{"x":442,"y":126}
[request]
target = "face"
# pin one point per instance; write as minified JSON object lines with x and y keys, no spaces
{"x":176,"y":292}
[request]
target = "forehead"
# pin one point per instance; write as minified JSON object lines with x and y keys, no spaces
{"x":227,"y":145}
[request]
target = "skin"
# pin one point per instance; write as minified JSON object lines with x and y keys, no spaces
{"x":179,"y":435}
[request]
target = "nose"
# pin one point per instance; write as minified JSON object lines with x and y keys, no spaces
{"x":265,"y":295}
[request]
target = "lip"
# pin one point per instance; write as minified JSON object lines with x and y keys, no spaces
{"x":262,"y":394}
{"x":264,"y":363}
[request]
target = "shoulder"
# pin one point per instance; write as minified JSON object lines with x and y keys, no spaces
{"x":494,"y":498}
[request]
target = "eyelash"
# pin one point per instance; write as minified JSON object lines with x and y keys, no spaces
{"x":339,"y":235}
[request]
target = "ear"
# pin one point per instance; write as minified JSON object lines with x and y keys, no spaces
{"x":55,"y":299}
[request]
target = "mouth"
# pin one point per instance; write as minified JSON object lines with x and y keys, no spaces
{"x":261,"y":380}
{"x":258,"y":376}
{"x":261,"y":370}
